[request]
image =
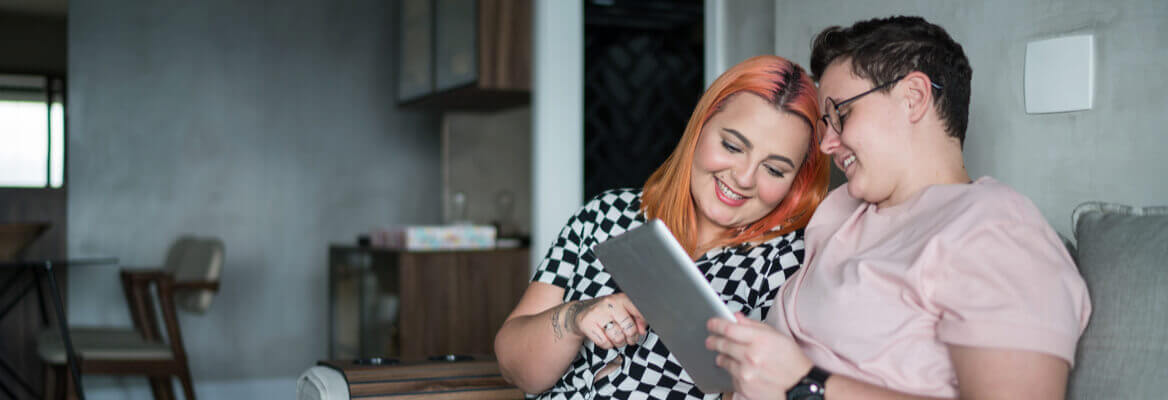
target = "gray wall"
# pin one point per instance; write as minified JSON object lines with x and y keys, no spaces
{"x":1114,"y":152}
{"x":269,"y":124}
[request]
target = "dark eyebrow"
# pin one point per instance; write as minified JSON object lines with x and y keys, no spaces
{"x":781,"y":158}
{"x":740,"y":137}
{"x":751,"y":146}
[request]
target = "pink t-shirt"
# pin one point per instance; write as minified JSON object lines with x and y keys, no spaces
{"x":883,"y":291}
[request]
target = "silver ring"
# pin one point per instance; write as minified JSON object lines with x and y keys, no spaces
{"x":609,"y":325}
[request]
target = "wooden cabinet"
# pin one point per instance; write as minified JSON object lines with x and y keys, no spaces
{"x":412,"y":305}
{"x":464,"y":54}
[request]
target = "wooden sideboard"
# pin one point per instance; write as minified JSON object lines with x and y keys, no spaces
{"x":412,"y":305}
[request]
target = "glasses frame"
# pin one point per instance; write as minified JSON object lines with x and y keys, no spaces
{"x":831,"y":116}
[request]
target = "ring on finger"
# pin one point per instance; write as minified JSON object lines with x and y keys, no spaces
{"x":609,"y":325}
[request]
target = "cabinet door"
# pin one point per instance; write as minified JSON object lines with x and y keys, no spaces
{"x":456,"y":50}
{"x":415,"y":54}
{"x":490,"y":285}
{"x":429,"y":304}
{"x":455,"y":302}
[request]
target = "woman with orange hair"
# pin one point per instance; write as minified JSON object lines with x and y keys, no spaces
{"x":736,"y":192}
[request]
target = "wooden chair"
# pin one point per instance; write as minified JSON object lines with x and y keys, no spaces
{"x":189,"y":279}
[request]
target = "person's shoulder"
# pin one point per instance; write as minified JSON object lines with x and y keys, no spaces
{"x":991,"y":200}
{"x":620,"y":204}
{"x":621,"y":199}
{"x":834,"y":208}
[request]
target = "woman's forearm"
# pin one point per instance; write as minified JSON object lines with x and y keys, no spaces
{"x":534,"y":350}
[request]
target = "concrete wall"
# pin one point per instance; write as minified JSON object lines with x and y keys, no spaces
{"x":1113,"y":152}
{"x":270,"y":125}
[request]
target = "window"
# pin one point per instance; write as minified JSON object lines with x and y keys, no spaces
{"x":32,"y":131}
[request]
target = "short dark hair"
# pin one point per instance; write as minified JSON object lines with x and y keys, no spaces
{"x":883,"y":49}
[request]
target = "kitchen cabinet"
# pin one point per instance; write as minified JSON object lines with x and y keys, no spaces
{"x":416,"y":304}
{"x":464,"y":54}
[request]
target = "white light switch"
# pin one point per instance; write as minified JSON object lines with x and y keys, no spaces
{"x":1060,"y":74}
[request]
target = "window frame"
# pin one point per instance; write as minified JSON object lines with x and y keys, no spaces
{"x":54,"y":87}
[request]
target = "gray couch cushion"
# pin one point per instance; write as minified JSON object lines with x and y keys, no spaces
{"x":1123,"y":256}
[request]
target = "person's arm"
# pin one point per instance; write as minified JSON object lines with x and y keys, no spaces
{"x":762,"y":360}
{"x":984,"y":373}
{"x":539,"y":340}
{"x":532,"y":347}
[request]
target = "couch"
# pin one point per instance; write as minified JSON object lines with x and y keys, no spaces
{"x":1122,"y":253}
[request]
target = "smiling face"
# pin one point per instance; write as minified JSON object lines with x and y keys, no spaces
{"x":744,"y":163}
{"x":873,"y":148}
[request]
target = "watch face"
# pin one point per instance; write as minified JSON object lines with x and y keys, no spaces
{"x":806,"y":391}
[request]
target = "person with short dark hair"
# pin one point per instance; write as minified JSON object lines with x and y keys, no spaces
{"x":918,"y":281}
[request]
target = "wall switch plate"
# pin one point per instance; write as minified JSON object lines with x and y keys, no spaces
{"x":1060,"y":74}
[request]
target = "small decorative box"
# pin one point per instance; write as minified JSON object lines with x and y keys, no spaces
{"x":444,"y":237}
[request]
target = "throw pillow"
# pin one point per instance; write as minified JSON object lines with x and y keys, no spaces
{"x":1123,"y":256}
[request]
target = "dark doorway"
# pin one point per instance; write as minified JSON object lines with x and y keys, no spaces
{"x":643,"y":62}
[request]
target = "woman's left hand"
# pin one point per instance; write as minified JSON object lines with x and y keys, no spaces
{"x":762,"y":360}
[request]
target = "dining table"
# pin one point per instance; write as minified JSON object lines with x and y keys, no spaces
{"x":25,"y":276}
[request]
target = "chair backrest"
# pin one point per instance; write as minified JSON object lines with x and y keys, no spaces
{"x":195,"y":259}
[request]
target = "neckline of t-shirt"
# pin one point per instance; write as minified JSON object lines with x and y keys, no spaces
{"x":906,"y":205}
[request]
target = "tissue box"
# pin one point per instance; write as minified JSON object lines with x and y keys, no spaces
{"x":447,"y":237}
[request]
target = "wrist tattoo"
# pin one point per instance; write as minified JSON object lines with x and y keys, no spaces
{"x":574,"y":310}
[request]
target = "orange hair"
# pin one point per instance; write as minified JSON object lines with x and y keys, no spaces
{"x":786,"y":86}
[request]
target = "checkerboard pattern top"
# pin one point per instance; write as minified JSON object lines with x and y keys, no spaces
{"x":747,"y":278}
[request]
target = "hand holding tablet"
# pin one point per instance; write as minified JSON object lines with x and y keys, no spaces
{"x":657,"y":275}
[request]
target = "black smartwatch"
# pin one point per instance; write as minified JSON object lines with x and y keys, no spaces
{"x":811,"y":387}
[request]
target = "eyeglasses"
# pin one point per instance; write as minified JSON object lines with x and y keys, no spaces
{"x":832,"y":114}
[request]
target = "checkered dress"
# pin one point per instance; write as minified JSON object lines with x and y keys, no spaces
{"x":746,"y":278}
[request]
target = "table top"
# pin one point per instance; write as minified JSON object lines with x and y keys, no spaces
{"x":59,"y":262}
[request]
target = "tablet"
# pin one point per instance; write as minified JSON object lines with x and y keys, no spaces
{"x":657,"y":275}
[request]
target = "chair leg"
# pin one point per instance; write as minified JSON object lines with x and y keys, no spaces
{"x":161,"y":388}
{"x":70,"y":390}
{"x":188,"y":386}
{"x":47,"y":384}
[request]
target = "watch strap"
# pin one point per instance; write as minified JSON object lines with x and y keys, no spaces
{"x":812,"y":386}
{"x":818,"y":375}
